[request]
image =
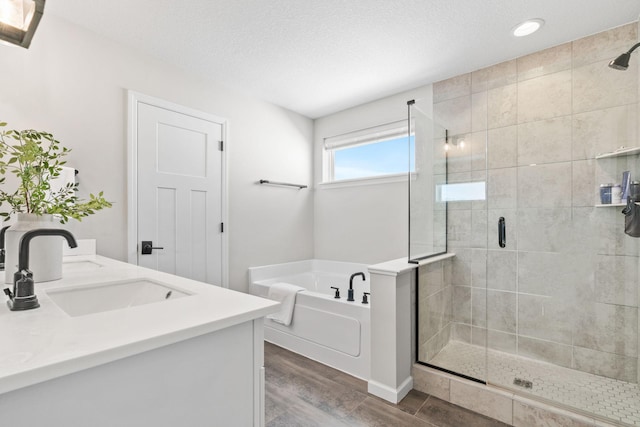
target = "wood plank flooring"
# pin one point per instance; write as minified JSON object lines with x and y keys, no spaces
{"x":303,"y":393}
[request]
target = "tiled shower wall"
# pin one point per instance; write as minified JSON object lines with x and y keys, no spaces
{"x":435,"y":308}
{"x":565,"y":287}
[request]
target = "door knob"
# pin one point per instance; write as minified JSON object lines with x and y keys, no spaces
{"x":147,"y":247}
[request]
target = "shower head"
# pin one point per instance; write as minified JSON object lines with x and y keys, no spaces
{"x":622,"y":61}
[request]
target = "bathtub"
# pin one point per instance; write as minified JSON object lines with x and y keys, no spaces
{"x":332,"y":331}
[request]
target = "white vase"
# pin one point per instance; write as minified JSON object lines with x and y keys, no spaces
{"x":45,"y":252}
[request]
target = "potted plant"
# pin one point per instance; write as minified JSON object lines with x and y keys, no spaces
{"x":35,"y":160}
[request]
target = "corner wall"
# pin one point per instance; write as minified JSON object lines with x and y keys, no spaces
{"x":362,"y":223}
{"x":73,"y":82}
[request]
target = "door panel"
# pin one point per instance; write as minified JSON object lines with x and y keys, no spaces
{"x":179,"y":176}
{"x":166,"y":231}
{"x":198,"y":241}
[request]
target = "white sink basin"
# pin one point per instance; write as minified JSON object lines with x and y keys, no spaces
{"x":90,"y":299}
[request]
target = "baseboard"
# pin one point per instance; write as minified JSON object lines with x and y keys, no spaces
{"x":393,"y":395}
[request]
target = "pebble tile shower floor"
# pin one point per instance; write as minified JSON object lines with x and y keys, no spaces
{"x":605,"y":397}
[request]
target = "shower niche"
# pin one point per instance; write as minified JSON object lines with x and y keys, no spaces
{"x":611,"y":165}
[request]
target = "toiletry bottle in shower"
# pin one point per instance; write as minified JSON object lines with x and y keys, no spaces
{"x":616,"y":194}
{"x":634,"y":191}
{"x":605,"y":194}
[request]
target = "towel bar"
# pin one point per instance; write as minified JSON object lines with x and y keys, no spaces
{"x":286,"y":184}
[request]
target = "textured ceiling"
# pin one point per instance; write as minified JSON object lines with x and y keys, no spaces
{"x":317,"y":57}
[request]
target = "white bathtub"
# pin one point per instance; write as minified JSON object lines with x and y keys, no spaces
{"x":332,"y":331}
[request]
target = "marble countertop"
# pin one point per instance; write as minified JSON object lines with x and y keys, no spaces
{"x":45,"y":343}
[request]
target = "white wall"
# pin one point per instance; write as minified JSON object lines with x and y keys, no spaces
{"x":367,"y":224}
{"x":73,"y":83}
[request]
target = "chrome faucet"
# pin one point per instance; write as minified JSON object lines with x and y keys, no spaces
{"x":23,"y":296}
{"x":2,"y":250}
{"x":350,"y":292}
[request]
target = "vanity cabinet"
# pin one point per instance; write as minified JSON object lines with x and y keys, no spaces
{"x":195,"y":361}
{"x":216,"y":379}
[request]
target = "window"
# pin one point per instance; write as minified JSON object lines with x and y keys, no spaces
{"x":461,"y":191}
{"x":380,"y":151}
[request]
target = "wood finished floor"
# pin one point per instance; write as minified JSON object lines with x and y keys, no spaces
{"x":303,"y":393}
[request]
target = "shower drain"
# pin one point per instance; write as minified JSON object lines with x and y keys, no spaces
{"x":522,"y":383}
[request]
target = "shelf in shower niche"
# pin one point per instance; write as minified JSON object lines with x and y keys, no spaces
{"x":619,"y":205}
{"x":620,"y":152}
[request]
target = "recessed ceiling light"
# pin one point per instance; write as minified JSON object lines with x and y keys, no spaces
{"x":527,"y":27}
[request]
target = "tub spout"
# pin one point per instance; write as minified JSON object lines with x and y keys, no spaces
{"x":350,"y":293}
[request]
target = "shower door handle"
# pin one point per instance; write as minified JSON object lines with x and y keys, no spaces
{"x":502,"y":233}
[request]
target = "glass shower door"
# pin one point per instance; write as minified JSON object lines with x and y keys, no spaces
{"x":446,"y":198}
{"x":561,"y":275}
{"x":545,"y":283}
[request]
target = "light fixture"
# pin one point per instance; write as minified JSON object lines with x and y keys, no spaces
{"x":455,"y":141}
{"x":19,"y":20}
{"x":527,"y":27}
{"x":622,"y":61}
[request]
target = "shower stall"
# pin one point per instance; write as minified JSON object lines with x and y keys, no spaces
{"x":541,"y":298}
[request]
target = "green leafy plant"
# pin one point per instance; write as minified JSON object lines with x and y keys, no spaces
{"x":35,"y":158}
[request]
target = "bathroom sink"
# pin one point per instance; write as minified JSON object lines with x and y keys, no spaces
{"x":83,"y":300}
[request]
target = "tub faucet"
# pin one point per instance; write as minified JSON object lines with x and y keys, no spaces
{"x":350,"y":296}
{"x":2,"y":250}
{"x":23,"y":296}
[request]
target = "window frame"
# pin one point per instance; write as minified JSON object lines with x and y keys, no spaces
{"x":365,"y":136}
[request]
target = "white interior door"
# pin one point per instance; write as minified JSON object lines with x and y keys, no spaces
{"x":179,"y":184}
